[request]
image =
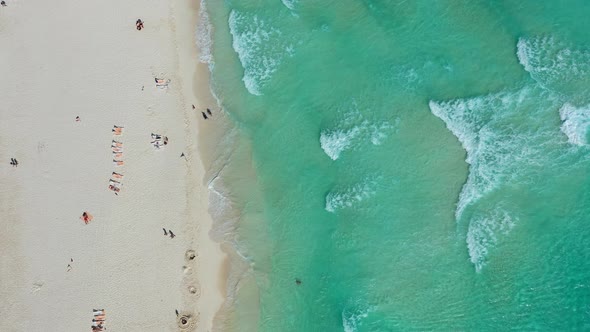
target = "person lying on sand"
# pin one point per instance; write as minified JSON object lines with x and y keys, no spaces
{"x":117,"y":145}
{"x":116,"y":149}
{"x":156,"y":136}
{"x":118,"y":162}
{"x":113,"y":188}
{"x":117,"y":175}
{"x":86,"y":217}
{"x":117,"y":154}
{"x":160,"y":82}
{"x":139,"y":24}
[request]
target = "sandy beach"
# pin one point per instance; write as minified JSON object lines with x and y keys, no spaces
{"x":67,"y":59}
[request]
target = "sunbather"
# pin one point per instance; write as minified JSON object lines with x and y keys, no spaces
{"x":117,"y":175}
{"x":118,"y":162}
{"x":113,"y":188}
{"x":118,"y":154}
{"x":86,"y":217}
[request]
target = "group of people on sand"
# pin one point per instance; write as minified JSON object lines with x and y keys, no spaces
{"x":98,"y":320}
{"x":203,"y":113}
{"x":168,"y":232}
{"x":158,"y":140}
{"x":13,"y":162}
{"x":117,"y":149}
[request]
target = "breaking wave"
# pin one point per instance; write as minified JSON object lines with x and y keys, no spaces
{"x":554,"y":65}
{"x":352,"y":319}
{"x":260,"y":48}
{"x":289,"y":4}
{"x":575,"y":123}
{"x":497,"y":144}
{"x":505,"y":138}
{"x":483,"y":233}
{"x":351,"y":130}
{"x":349,"y":196}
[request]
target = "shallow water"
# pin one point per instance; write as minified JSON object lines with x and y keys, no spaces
{"x":417,"y":165}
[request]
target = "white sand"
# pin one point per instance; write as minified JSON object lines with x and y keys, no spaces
{"x":60,"y":59}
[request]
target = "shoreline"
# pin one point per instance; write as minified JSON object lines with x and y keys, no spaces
{"x":197,"y":78}
{"x":103,"y":71}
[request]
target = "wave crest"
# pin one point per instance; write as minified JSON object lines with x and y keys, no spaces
{"x":575,"y":123}
{"x":349,"y":196}
{"x":353,"y":129}
{"x":554,"y":65}
{"x":260,"y":48}
{"x":483,"y":234}
{"x":506,"y":138}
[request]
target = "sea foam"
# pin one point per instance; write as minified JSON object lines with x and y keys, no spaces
{"x":260,"y":48}
{"x":347,"y":197}
{"x":501,"y":149}
{"x":289,"y":4}
{"x":204,"y":35}
{"x":351,"y":319}
{"x":555,"y":65}
{"x":483,"y":233}
{"x":352,"y":129}
{"x":575,"y":123}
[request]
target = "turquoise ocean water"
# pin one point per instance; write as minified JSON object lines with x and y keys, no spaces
{"x":416,"y":165}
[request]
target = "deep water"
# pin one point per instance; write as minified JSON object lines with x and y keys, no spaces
{"x":416,"y":165}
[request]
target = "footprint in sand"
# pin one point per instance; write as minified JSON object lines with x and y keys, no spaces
{"x":37,"y":286}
